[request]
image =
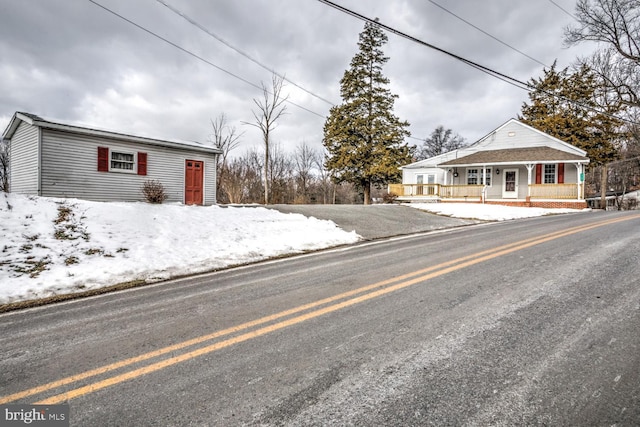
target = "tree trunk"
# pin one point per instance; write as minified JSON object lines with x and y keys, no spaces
{"x":367,"y":193}
{"x":603,"y":188}
{"x":266,"y":167}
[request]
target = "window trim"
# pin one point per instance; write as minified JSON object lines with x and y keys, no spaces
{"x":546,"y":174}
{"x":479,"y":172}
{"x":134,"y":163}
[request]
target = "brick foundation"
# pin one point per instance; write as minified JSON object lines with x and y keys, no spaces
{"x":549,"y":204}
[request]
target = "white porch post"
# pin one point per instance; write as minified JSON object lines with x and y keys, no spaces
{"x":446,"y":176}
{"x":578,"y":173}
{"x":530,"y":167}
{"x":484,"y":183}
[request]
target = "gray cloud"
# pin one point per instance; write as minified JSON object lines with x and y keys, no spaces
{"x":73,"y":61}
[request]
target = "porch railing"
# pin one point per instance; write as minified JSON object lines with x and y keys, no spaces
{"x":436,"y":190}
{"x":553,"y":191}
{"x":415,"y":189}
{"x":461,"y":191}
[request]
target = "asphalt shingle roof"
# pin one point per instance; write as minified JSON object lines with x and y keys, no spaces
{"x":516,"y":155}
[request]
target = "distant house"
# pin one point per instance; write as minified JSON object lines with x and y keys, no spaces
{"x":54,"y":159}
{"x":514,"y":165}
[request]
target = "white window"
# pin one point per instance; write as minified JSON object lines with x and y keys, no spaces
{"x":474,"y":176}
{"x":122,"y":161}
{"x":549,"y":174}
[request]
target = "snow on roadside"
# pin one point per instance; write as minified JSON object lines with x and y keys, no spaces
{"x":55,"y":246}
{"x":485,"y":211}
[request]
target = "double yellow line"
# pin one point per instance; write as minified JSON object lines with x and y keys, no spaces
{"x":284,"y":319}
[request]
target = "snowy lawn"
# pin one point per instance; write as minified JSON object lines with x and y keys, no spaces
{"x":486,"y":212}
{"x":55,"y":246}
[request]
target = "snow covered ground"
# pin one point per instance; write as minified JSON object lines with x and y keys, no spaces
{"x":56,"y":246}
{"x":486,"y":212}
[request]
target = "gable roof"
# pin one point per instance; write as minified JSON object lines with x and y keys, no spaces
{"x":485,"y":140}
{"x":517,"y":155}
{"x":38,"y":121}
{"x":531,"y":146}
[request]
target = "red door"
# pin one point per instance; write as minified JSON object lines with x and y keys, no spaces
{"x":193,"y":182}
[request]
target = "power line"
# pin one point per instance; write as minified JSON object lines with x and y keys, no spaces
{"x":487,"y":34}
{"x":188,"y":52}
{"x":246,"y":55}
{"x":563,"y":9}
{"x":496,"y":74}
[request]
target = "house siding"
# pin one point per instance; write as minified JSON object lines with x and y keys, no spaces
{"x":521,"y":136}
{"x":24,"y":168}
{"x":69,"y":164}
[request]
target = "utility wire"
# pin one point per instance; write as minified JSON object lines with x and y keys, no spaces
{"x":507,"y":79}
{"x":563,"y":9}
{"x":188,"y":52}
{"x":487,"y":34}
{"x":246,"y":55}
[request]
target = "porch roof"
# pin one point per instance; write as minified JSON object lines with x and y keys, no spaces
{"x":517,"y":155}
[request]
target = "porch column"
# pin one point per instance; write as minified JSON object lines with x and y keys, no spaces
{"x":579,"y":169}
{"x":530,"y":167}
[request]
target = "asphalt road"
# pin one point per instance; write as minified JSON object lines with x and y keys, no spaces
{"x":530,"y":322}
{"x":377,"y":221}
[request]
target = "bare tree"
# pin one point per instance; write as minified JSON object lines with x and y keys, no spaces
{"x":270,"y":108}
{"x":4,"y":166}
{"x":615,"y":24}
{"x":226,"y":138}
{"x":281,"y":168}
{"x":324,"y":177}
{"x":441,"y":141}
{"x":305,"y":158}
{"x":243,"y":183}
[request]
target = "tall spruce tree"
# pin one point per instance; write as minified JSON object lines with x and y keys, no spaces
{"x":364,"y":139}
{"x":569,"y":107}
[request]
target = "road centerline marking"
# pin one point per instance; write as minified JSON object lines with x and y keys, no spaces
{"x":405,"y":280}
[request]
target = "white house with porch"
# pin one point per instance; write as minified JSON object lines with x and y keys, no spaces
{"x":515,"y":164}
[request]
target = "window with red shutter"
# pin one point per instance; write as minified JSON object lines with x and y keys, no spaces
{"x":103,"y":159}
{"x":142,"y":163}
{"x":538,"y":173}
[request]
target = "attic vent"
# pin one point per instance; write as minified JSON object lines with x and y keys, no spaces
{"x":511,"y":134}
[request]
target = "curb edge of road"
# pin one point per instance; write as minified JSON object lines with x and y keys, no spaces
{"x":139,"y":283}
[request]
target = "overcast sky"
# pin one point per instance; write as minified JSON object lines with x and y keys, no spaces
{"x":73,"y":61}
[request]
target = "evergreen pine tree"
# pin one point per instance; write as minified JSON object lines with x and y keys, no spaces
{"x":568,"y":106}
{"x":364,"y":139}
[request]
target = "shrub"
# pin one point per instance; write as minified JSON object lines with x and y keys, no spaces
{"x":154,"y":191}
{"x":389,"y":198}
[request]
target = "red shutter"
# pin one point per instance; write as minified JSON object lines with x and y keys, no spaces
{"x":538,"y":173}
{"x":142,"y":163}
{"x":103,"y":159}
{"x":560,"y":173}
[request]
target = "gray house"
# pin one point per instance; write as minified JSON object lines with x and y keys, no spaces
{"x":514,"y":164}
{"x":54,"y":159}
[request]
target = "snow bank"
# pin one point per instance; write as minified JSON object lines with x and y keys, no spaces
{"x":53,"y":246}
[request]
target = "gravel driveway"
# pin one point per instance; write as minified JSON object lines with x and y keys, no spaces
{"x":376,"y":221}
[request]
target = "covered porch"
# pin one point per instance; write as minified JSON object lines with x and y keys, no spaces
{"x":538,"y":195}
{"x":539,"y":176}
